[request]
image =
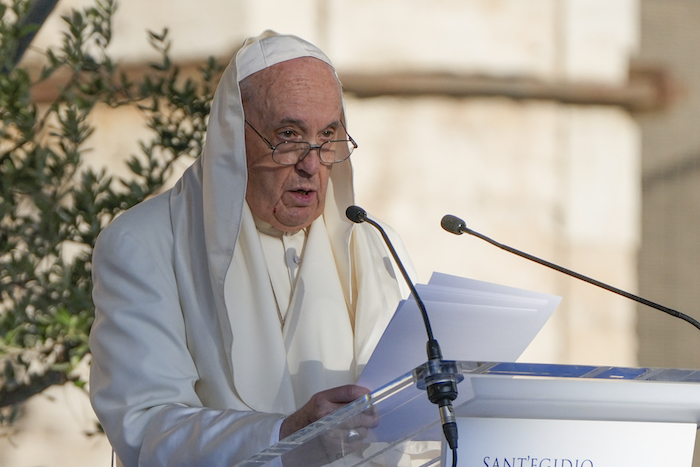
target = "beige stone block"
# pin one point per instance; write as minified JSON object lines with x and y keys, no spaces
{"x":504,"y":38}
{"x":603,"y":163}
{"x":198,"y":29}
{"x":598,"y":38}
{"x":304,"y":18}
{"x":491,"y":161}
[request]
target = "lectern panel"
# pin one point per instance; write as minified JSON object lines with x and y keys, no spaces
{"x":397,"y":426}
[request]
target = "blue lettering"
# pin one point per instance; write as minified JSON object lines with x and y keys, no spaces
{"x":535,"y":462}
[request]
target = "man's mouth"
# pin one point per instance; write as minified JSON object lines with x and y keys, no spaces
{"x":303,"y":192}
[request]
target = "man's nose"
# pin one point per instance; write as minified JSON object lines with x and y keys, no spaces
{"x":311,"y":163}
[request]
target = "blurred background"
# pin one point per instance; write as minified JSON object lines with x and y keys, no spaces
{"x":564,"y":128}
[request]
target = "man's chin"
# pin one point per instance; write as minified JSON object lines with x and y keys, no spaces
{"x":296,"y":219}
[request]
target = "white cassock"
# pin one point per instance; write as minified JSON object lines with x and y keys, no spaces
{"x":196,"y":361}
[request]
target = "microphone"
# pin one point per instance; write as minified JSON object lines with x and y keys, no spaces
{"x":457,"y":226}
{"x":356,"y":214}
{"x":441,"y":387}
{"x":453,"y":224}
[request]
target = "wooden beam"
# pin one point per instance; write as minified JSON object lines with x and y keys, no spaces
{"x":648,"y":88}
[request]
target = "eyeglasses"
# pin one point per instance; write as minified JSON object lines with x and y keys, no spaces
{"x":293,"y":152}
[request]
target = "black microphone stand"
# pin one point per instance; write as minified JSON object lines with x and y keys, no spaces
{"x":440,"y":385}
{"x":457,"y":226}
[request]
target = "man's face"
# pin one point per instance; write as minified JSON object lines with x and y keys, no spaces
{"x":296,"y":100}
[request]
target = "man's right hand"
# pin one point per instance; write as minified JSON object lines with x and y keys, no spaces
{"x":321,"y":404}
{"x":335,"y":443}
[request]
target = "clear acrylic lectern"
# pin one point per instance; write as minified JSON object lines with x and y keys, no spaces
{"x":599,"y":410}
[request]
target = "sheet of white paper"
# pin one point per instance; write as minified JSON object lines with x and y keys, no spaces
{"x":464,"y":283}
{"x":450,"y":294}
{"x":472,"y":320}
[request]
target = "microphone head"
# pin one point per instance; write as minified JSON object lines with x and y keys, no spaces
{"x":453,"y":224}
{"x":356,"y":214}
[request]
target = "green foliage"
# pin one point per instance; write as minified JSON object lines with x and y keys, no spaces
{"x":52,"y":207}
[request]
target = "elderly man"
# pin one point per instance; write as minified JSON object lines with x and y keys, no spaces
{"x":241,"y":305}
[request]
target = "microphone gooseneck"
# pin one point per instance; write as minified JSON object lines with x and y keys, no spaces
{"x":457,"y":226}
{"x":441,"y":387}
{"x":358,"y":216}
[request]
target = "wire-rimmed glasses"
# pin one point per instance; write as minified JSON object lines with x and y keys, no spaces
{"x":293,"y":152}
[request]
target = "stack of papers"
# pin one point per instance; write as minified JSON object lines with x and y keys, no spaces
{"x":472,"y":320}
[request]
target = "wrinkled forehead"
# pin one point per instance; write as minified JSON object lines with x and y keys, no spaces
{"x":263,"y":52}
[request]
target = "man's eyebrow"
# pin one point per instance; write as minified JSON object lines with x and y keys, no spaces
{"x":302,"y":123}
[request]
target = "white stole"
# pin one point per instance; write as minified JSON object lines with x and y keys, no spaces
{"x":278,"y":370}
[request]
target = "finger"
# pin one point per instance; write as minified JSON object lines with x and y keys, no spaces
{"x":344,"y":394}
{"x":359,"y":421}
{"x":358,"y":434}
{"x":367,"y":419}
{"x":348,"y":434}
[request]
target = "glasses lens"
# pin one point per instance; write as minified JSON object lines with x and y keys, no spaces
{"x":332,"y":152}
{"x":289,"y":153}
